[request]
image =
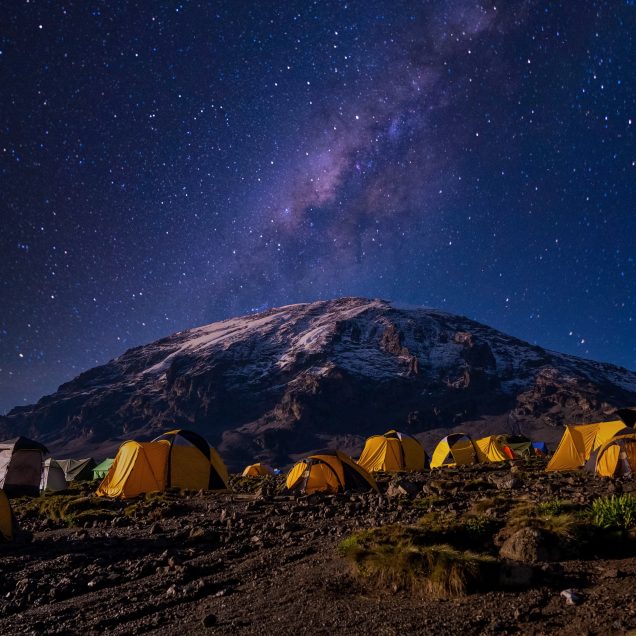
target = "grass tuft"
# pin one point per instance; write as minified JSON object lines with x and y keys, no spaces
{"x":68,"y":507}
{"x":399,"y":557}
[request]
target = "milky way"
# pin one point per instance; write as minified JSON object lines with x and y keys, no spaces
{"x":181,"y":163}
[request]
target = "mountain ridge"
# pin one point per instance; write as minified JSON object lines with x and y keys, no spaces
{"x":282,"y":382}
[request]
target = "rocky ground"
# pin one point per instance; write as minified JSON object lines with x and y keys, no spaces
{"x":260,"y":562}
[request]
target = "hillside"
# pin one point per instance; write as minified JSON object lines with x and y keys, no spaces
{"x":279,"y":383}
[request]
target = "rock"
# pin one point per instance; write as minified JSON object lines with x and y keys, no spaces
{"x":209,"y":620}
{"x":610,"y":573}
{"x":23,"y":587}
{"x":94,"y":583}
{"x":527,"y":545}
{"x":402,"y":489}
{"x":506,"y":481}
{"x":196,"y":533}
{"x":572,"y":596}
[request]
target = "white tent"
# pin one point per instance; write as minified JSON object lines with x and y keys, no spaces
{"x":53,"y":478}
{"x":21,"y":466}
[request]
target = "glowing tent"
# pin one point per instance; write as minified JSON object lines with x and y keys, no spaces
{"x":328,"y":471}
{"x":578,"y":443}
{"x":257,"y":470}
{"x":617,"y":456}
{"x":392,"y":452}
{"x":490,"y":449}
{"x":177,"y":459}
{"x":454,"y":450}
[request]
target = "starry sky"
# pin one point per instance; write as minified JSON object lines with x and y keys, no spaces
{"x":164,"y":165}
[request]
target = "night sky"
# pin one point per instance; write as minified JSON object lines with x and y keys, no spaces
{"x":164,"y":165}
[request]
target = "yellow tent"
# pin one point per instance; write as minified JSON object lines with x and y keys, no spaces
{"x":618,"y":455}
{"x":7,"y":522}
{"x":578,"y":443}
{"x":257,"y":470}
{"x":490,"y":449}
{"x":177,"y":459}
{"x":454,"y":450}
{"x":393,"y":451}
{"x":328,"y":471}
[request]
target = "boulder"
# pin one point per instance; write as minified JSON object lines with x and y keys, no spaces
{"x":402,"y":488}
{"x":527,"y":545}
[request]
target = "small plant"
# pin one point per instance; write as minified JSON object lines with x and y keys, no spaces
{"x":551,"y":507}
{"x":424,"y":503}
{"x":615,"y":512}
{"x":478,"y":527}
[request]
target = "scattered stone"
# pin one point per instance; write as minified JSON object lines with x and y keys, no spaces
{"x":572,"y":596}
{"x":155,"y":528}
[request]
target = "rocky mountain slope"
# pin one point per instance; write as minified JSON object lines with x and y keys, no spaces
{"x":279,"y":383}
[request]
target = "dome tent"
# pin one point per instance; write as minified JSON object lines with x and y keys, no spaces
{"x":579,"y":442}
{"x":491,"y":449}
{"x":257,"y":470}
{"x":101,"y":470}
{"x":540,"y":449}
{"x":616,"y":457}
{"x":328,"y":471}
{"x":455,"y":449}
{"x":21,"y":461}
{"x":176,"y":459}
{"x":77,"y":469}
{"x":53,"y":478}
{"x":392,"y":452}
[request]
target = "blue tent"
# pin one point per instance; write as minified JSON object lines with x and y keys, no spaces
{"x":541,"y":447}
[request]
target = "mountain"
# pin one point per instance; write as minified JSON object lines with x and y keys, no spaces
{"x":277,"y":384}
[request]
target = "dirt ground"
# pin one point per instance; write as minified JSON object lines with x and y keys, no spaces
{"x":266,"y":563}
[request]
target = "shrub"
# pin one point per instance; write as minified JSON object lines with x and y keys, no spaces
{"x":398,"y":557}
{"x":614,"y":512}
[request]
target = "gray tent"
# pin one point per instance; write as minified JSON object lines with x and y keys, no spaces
{"x":21,"y":462}
{"x":77,"y":469}
{"x":53,"y":478}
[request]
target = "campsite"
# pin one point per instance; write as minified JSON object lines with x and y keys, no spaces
{"x":167,"y":540}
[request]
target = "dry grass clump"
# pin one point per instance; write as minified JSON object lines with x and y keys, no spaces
{"x":563,"y":519}
{"x":400,"y":557}
{"x":68,"y":507}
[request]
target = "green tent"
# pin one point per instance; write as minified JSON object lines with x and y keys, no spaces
{"x":99,"y":472}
